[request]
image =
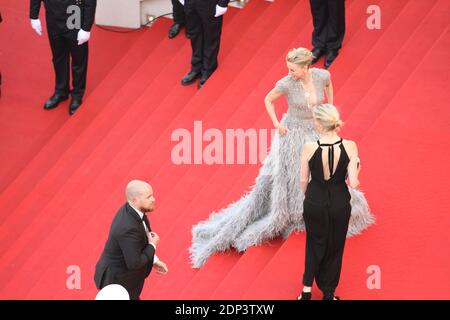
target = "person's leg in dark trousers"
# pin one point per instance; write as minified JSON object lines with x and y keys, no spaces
{"x":178,"y":12}
{"x":319,"y":12}
{"x":212,"y":31}
{"x":335,"y":30}
{"x":329,"y":272}
{"x":336,"y":24}
{"x":316,"y":240}
{"x":61,"y":63}
{"x":194,"y":29}
{"x":179,"y":18}
{"x":135,"y":292}
{"x":79,"y":54}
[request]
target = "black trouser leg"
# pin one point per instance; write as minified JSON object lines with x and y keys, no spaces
{"x":80,"y":56}
{"x":212,"y":30}
{"x":336,"y":24}
{"x":330,"y":268}
{"x":61,"y":63}
{"x":178,"y":12}
{"x":316,"y":240}
{"x":319,"y":12}
{"x":195,"y":30}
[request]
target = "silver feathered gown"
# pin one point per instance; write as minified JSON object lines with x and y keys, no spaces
{"x":274,"y":206}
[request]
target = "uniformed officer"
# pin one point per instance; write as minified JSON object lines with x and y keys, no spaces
{"x":68,"y":25}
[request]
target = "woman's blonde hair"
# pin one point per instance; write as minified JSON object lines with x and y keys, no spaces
{"x":300,"y":56}
{"x":327,"y":116}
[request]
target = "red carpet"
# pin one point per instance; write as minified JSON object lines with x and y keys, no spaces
{"x":63,"y":177}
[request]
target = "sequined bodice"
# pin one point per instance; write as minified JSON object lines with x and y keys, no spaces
{"x":297,"y":96}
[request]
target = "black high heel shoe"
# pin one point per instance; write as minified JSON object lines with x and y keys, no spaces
{"x":305,"y":296}
{"x":331,"y":297}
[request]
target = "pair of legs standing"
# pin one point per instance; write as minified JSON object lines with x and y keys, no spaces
{"x":326,"y":231}
{"x":204,"y":31}
{"x":68,"y":56}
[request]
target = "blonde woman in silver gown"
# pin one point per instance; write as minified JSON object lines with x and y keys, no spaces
{"x":274,"y":205}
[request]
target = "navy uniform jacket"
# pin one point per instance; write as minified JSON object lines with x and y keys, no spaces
{"x":57,"y":16}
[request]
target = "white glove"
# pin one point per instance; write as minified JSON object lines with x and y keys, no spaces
{"x":36,"y":25}
{"x":181,"y":1}
{"x":220,"y":10}
{"x":83,"y":36}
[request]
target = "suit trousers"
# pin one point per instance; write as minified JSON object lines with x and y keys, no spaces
{"x":178,"y":12}
{"x":64,"y":48}
{"x":205,"y":31}
{"x":329,"y":23}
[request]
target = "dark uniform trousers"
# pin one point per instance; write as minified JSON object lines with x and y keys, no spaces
{"x":329,"y":23}
{"x":178,"y":12}
{"x":204,"y":31}
{"x":64,"y":44}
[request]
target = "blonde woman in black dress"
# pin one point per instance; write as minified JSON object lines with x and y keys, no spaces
{"x":325,"y":167}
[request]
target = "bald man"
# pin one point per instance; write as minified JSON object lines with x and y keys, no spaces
{"x":130,"y":251}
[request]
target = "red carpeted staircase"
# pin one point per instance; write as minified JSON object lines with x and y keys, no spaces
{"x":64,"y":177}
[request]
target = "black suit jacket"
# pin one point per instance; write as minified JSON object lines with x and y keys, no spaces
{"x":56,"y":14}
{"x":127,"y":258}
{"x":223,"y":3}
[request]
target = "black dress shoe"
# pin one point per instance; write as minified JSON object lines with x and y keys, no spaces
{"x":202,"y":81}
{"x":190,"y":78}
{"x":74,"y":105}
{"x":331,"y":297}
{"x":53,"y":101}
{"x":174,"y":30}
{"x":317,"y":53}
{"x":305,"y":296}
{"x":330,"y":57}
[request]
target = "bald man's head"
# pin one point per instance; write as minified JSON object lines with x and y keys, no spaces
{"x":140,"y":195}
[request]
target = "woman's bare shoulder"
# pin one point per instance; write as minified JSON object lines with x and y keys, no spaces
{"x":350,"y":145}
{"x":308,"y":147}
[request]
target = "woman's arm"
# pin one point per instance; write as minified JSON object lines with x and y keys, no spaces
{"x":353,"y":167}
{"x":329,"y":91}
{"x":273,"y":95}
{"x":304,"y":167}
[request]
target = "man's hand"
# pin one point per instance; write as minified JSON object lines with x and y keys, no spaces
{"x":83,"y":36}
{"x":36,"y":25}
{"x":181,"y":1}
{"x":220,"y":11}
{"x":153,"y":238}
{"x":160,"y":267}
